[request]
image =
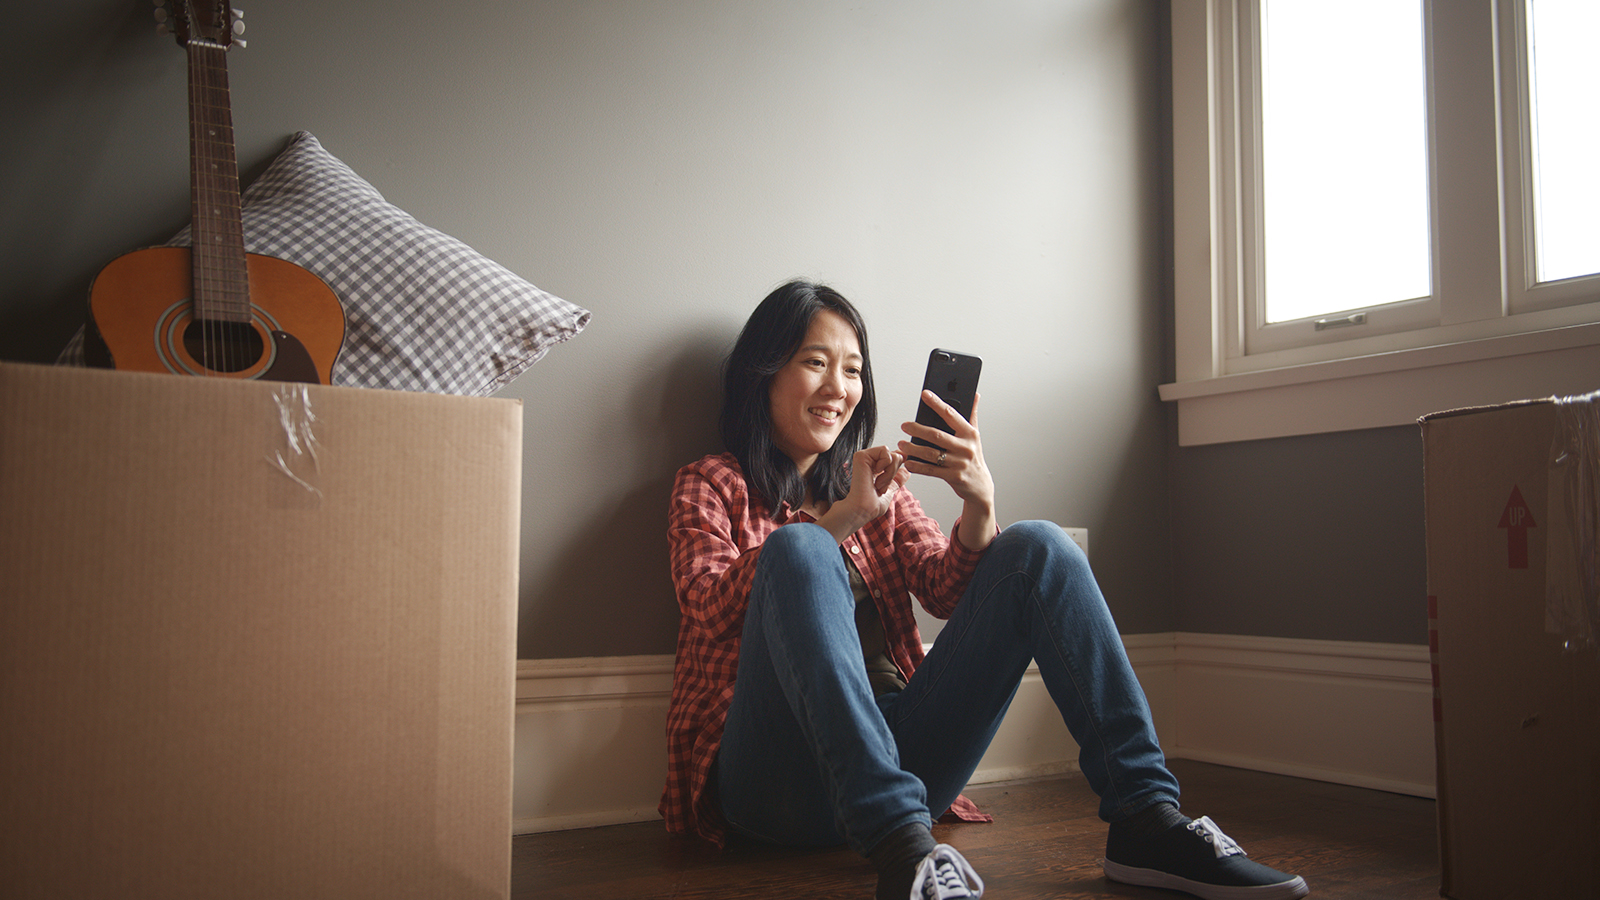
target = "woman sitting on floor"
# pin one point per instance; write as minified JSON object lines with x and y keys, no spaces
{"x":803,"y":711}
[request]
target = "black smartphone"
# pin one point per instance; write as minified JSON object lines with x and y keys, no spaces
{"x":953,"y":377}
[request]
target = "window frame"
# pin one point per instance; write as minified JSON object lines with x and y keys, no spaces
{"x":1487,"y":335}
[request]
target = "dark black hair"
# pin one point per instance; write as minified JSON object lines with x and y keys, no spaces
{"x":770,"y":337}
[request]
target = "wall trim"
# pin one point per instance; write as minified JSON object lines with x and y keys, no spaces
{"x":1347,"y":712}
{"x":544,"y":684}
{"x":591,"y":744}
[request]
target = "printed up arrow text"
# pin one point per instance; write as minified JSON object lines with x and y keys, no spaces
{"x":1516,"y":520}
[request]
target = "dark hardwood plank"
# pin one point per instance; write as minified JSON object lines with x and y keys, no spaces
{"x":1349,"y":844}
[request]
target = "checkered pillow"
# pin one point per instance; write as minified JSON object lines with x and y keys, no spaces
{"x":423,"y":311}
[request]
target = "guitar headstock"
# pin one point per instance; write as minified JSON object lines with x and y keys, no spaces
{"x":211,"y":21}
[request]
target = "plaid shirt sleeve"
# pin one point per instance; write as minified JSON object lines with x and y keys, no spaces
{"x":714,"y":531}
{"x":937,"y":568}
{"x":713,"y":556}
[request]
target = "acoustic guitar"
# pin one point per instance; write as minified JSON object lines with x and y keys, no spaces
{"x":212,"y":309}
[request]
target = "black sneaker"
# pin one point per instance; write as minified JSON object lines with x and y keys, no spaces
{"x":1198,"y":859}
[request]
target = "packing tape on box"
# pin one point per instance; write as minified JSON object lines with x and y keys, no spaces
{"x":296,"y":454}
{"x":1572,"y":588}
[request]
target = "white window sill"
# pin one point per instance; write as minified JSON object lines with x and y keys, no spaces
{"x":1386,"y":389}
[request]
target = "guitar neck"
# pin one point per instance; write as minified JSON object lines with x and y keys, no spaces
{"x":221,"y":279}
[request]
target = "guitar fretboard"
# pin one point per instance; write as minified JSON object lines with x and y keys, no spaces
{"x":221,"y":279}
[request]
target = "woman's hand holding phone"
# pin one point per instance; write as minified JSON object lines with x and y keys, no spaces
{"x":960,"y":464}
{"x":954,"y":456}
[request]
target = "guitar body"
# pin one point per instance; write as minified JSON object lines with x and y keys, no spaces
{"x":141,"y":320}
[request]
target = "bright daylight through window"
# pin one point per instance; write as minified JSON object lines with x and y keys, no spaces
{"x":1565,"y":86}
{"x":1344,"y":157}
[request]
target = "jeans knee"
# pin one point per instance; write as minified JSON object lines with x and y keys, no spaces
{"x":798,"y":542}
{"x":1045,"y":551}
{"x":1055,"y":564}
{"x":1040,"y":538}
{"x":798,"y":558}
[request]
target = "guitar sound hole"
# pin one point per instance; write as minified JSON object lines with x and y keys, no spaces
{"x":223,"y":346}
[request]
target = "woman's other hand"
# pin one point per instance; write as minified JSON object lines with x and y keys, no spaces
{"x":875,"y":475}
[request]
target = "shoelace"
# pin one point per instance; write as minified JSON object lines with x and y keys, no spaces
{"x":1220,"y":843}
{"x":945,"y":875}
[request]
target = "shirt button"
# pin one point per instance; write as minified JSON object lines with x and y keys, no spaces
{"x":855,"y":548}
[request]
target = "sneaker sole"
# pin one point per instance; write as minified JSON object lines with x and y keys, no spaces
{"x":1284,"y":890}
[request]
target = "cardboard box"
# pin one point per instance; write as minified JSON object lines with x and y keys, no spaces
{"x":256,"y":640}
{"x":1512,"y":543}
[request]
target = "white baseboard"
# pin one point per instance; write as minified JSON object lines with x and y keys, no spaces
{"x":591,"y":743}
{"x":1341,"y":711}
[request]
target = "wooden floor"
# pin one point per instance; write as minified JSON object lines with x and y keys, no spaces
{"x":1348,"y":843}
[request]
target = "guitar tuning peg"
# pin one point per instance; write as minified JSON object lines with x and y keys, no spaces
{"x":161,"y":15}
{"x":238,"y":26}
{"x":161,"y":28}
{"x":237,"y":14}
{"x":239,"y":42}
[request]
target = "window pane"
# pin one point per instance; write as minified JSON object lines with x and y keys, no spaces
{"x":1565,"y":85}
{"x":1344,"y":156}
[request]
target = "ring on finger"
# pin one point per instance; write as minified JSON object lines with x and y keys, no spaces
{"x":940,"y":462}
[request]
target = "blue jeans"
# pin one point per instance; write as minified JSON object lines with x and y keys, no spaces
{"x":810,"y":758}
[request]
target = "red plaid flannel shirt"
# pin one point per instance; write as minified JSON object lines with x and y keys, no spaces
{"x":715,"y":529}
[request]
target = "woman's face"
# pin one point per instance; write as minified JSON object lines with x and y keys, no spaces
{"x":813,"y":396}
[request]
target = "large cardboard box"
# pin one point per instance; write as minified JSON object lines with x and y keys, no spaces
{"x":256,"y":640}
{"x":1512,"y":511}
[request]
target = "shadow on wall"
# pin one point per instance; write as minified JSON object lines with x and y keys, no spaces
{"x":609,"y":591}
{"x":76,"y":195}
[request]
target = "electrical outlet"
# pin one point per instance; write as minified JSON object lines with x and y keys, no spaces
{"x":1080,"y":536}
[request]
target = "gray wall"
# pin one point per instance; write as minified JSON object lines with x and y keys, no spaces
{"x":1303,"y":537}
{"x":991,"y":177}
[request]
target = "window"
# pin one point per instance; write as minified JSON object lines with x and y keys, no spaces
{"x":1344,"y":160}
{"x":1468,"y":272}
{"x":1563,"y":89}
